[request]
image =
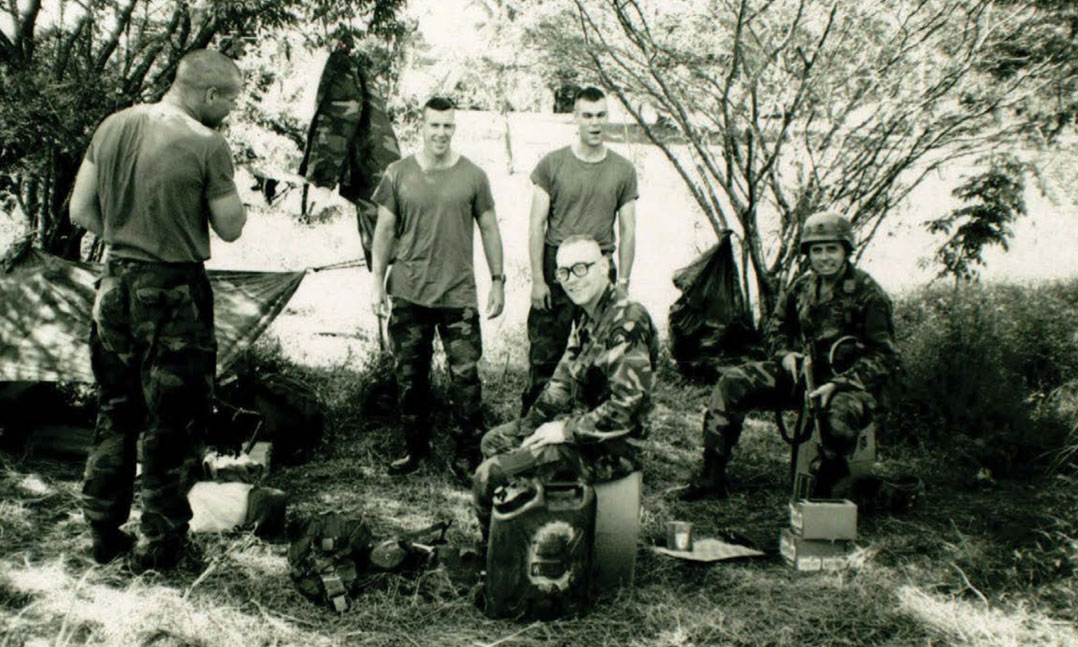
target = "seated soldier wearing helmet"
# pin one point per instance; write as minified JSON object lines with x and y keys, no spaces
{"x":598,"y":397}
{"x":841,"y":317}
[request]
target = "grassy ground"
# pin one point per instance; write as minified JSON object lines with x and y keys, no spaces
{"x":968,"y":567}
{"x":981,"y":562}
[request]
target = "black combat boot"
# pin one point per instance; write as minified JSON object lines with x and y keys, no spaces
{"x":418,"y":452}
{"x":168,"y":554}
{"x":709,"y":482}
{"x":110,"y":543}
{"x":466,"y":459}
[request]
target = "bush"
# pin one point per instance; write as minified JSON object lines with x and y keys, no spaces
{"x":984,"y":368}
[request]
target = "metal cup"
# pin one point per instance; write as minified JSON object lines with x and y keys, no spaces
{"x":679,"y":535}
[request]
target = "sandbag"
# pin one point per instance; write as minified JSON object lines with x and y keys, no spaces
{"x":222,"y":507}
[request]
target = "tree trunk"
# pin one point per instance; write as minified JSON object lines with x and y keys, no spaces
{"x":60,"y":237}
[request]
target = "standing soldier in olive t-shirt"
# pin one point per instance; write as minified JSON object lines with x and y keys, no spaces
{"x":578,"y":190}
{"x":427,"y":203}
{"x":154,"y":180}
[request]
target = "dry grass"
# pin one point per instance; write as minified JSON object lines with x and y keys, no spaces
{"x":944,"y":574}
{"x":962,"y":569}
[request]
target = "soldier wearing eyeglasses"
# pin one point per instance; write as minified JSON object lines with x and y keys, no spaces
{"x":598,"y":397}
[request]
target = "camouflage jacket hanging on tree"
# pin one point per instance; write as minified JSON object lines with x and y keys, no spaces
{"x":351,"y":140}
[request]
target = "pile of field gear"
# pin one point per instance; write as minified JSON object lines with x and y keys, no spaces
{"x":332,"y":555}
{"x":255,"y":406}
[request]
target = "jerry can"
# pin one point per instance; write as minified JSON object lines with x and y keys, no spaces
{"x":539,"y":556}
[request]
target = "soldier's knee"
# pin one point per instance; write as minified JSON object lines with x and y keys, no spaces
{"x":730,"y":388}
{"x":498,"y":440}
{"x":850,"y":410}
{"x":488,"y":476}
{"x":715,"y":422}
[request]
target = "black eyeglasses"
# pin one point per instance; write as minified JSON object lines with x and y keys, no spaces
{"x":578,"y":269}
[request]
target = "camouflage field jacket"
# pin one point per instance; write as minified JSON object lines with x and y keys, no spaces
{"x":850,"y":334}
{"x":604,"y":379}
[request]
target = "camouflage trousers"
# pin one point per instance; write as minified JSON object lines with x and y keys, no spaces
{"x":505,"y":460}
{"x":548,"y":330}
{"x":411,"y":334}
{"x":153,"y":352}
{"x":766,"y":385}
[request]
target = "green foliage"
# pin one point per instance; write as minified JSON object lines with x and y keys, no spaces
{"x":1044,"y":41}
{"x":980,"y":365}
{"x":994,"y":201}
{"x":62,"y":71}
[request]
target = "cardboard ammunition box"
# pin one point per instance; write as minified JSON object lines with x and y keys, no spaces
{"x":824,"y":518}
{"x":262,"y":454}
{"x":813,"y":554}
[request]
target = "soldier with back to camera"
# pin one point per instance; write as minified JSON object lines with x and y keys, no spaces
{"x":154,"y":180}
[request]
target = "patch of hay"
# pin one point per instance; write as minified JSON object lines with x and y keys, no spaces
{"x":968,"y":622}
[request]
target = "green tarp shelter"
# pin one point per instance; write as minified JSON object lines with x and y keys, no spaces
{"x":45,"y":305}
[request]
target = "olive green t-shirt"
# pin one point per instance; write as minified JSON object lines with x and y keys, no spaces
{"x":584,"y":196}
{"x":157,"y":170}
{"x":435,"y":210}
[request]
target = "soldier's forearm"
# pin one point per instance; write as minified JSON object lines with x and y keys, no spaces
{"x":492,"y":249}
{"x":608,"y":421}
{"x":382,"y":243}
{"x":535,"y":254}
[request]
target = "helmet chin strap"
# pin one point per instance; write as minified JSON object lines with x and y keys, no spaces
{"x":833,"y":278}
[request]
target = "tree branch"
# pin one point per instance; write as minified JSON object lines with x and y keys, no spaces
{"x":24,"y":28}
{"x":109,"y":46}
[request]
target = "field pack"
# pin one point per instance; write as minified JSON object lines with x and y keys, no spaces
{"x":331,"y":554}
{"x":710,"y":323}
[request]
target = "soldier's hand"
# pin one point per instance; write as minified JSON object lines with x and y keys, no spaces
{"x":379,"y":302}
{"x":540,"y":295}
{"x":824,"y":393}
{"x":548,"y":433}
{"x":790,"y":362}
{"x":496,"y":299}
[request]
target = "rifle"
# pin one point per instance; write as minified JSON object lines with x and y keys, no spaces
{"x":810,"y":421}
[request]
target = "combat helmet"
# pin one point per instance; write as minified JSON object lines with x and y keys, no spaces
{"x":826,"y":227}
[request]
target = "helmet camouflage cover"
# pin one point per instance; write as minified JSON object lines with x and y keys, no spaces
{"x":826,"y":227}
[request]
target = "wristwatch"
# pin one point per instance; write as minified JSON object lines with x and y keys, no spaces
{"x":498,"y":277}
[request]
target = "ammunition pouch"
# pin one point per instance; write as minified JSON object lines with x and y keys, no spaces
{"x":325,"y":555}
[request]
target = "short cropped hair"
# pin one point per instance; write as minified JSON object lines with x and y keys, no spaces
{"x":438,"y":104}
{"x":580,"y":238}
{"x":590,"y":93}
{"x":206,"y":68}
